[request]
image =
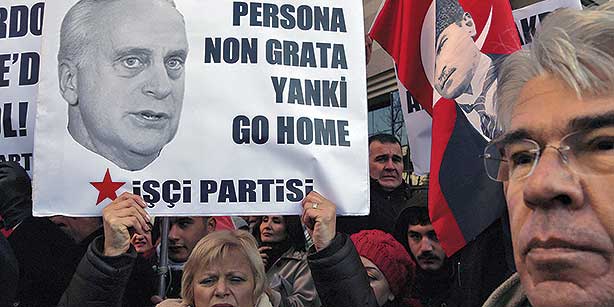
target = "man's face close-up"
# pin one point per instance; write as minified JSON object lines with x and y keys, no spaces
{"x":425,"y":247}
{"x":183,"y":235}
{"x":131,"y":85}
{"x":561,"y":215}
{"x":386,"y":164}
{"x":456,"y":59}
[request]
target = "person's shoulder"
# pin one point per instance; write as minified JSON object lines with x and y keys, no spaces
{"x":295,"y":254}
{"x":270,"y":298}
{"x":404,"y":190}
{"x":508,"y":294}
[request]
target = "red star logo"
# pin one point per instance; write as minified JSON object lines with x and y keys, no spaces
{"x":107,"y":188}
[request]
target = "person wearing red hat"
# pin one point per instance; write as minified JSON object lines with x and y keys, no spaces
{"x":389,"y":267}
{"x":338,"y":271}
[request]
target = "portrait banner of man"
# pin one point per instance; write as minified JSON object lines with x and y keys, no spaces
{"x":124,"y":96}
{"x":447,"y":54}
{"x":201,"y":107}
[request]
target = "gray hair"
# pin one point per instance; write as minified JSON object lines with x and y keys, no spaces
{"x":576,"y":47}
{"x":78,"y":29}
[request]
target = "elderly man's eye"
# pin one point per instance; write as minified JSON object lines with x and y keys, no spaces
{"x":521,"y":158}
{"x":132,"y":62}
{"x":174,"y":64}
{"x":599,"y":141}
{"x":602,"y":143}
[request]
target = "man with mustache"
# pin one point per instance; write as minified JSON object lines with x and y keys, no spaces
{"x":465,"y":279}
{"x":434,"y":272}
{"x":389,"y":193}
{"x":121,"y":68}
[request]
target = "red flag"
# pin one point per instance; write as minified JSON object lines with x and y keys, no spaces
{"x":447,"y":53}
{"x":224,"y":223}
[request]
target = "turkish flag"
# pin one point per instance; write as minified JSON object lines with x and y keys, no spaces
{"x":224,"y":223}
{"x":446,"y":54}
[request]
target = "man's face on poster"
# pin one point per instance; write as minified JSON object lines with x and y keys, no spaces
{"x":456,"y":58}
{"x":130,"y":85}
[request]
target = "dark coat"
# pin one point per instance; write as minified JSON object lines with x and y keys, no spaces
{"x":385,"y":209}
{"x":99,"y":281}
{"x":46,"y":259}
{"x":470,"y":275}
{"x":9,"y":273}
{"x":143,"y":283}
{"x":482,"y":265}
{"x":340,"y":277}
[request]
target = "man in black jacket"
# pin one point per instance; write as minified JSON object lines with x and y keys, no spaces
{"x":104,"y":272}
{"x":389,"y":193}
{"x":435,"y":273}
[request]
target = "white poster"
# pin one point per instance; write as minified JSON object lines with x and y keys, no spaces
{"x":529,"y":18}
{"x":206,"y":108}
{"x":21,"y":27}
{"x":419,"y":125}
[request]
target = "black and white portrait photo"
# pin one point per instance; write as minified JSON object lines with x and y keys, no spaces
{"x":121,"y":69}
{"x":462,"y":71}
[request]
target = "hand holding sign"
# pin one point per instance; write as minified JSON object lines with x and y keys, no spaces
{"x":125,"y":213}
{"x":319,"y":215}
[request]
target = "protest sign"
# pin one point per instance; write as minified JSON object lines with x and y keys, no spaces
{"x":418,"y":123}
{"x":21,"y":25}
{"x":528,"y":19}
{"x":209,"y":108}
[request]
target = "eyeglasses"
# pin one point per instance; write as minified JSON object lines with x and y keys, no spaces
{"x":587,"y":152}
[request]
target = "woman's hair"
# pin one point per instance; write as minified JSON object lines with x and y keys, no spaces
{"x":294,"y":229}
{"x":219,"y":245}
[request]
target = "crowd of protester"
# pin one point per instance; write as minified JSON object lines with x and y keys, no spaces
{"x":556,"y":250}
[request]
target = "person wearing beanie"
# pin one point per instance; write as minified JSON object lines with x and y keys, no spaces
{"x":389,"y":267}
{"x":338,"y":271}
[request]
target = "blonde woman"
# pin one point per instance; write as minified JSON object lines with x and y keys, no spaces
{"x":225,"y":270}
